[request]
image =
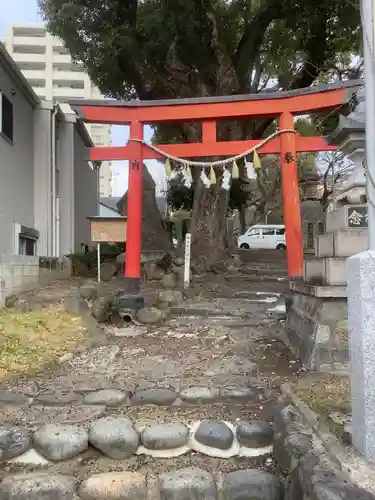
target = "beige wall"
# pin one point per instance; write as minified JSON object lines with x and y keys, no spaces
{"x":78,"y":186}
{"x":86,"y":192}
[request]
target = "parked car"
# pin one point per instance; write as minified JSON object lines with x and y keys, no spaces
{"x":263,"y":236}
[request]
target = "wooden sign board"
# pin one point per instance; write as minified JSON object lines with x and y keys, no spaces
{"x":108,"y":229}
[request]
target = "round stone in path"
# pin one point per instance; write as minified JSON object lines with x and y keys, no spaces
{"x":199,"y":394}
{"x":214,"y":434}
{"x":13,"y":441}
{"x":165,"y":437}
{"x":240,"y":394}
{"x":252,"y":484}
{"x":114,"y":486}
{"x":254,"y":434}
{"x":170,"y":297}
{"x":38,"y":486}
{"x":108,"y":397}
{"x":149,"y":315}
{"x":59,"y":442}
{"x":158,"y":396}
{"x":187,"y":484}
{"x":115,"y":437}
{"x":58,"y":398}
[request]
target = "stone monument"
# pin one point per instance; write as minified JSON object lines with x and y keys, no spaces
{"x":155,"y":239}
{"x":317,"y":305}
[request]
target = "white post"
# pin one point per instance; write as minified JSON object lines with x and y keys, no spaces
{"x":187,"y":260}
{"x":98,"y":256}
{"x":361,"y":276}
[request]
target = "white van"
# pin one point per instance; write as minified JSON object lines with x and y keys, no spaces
{"x":263,"y":236}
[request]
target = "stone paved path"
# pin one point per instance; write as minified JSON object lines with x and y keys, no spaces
{"x":175,"y":410}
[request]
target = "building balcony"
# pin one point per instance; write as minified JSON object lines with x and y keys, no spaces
{"x":27,"y":58}
{"x":34,"y":75}
{"x":66,"y":93}
{"x":40,"y":92}
{"x":32,"y":30}
{"x":61,"y":59}
{"x":69,"y":77}
{"x":26,"y":42}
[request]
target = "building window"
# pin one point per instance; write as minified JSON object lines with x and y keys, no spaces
{"x":27,"y":246}
{"x":6,"y":117}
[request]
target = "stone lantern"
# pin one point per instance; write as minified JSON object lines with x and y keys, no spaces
{"x":317,"y":305}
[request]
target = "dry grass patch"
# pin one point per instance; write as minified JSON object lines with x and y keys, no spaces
{"x":30,"y":340}
{"x":324,"y":393}
{"x":329,"y":397}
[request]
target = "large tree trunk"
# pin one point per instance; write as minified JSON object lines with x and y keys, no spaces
{"x":208,"y":225}
{"x":210,"y":209}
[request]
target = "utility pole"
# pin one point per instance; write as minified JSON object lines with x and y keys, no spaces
{"x":368,"y":28}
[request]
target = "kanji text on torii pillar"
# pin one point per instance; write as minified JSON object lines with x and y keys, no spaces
{"x":283,"y":106}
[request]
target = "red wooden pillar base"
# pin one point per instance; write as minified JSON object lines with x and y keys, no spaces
{"x":134,"y":213}
{"x":292,"y":208}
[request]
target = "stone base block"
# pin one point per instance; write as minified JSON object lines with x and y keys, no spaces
{"x":316,"y":329}
{"x":325,"y":271}
{"x":340,"y":218}
{"x":129,"y":304}
{"x":342,"y":243}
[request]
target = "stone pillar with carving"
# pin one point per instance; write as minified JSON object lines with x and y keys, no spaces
{"x":317,"y":306}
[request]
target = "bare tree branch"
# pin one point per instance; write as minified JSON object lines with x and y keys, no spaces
{"x":211,"y":42}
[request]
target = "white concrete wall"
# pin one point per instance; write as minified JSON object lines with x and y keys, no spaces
{"x":86,"y":192}
{"x":65,"y":159}
{"x":16,"y":167}
{"x":23,"y":272}
{"x":17,"y":273}
{"x":43,"y":177}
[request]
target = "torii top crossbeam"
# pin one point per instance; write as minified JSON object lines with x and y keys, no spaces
{"x":208,"y":110}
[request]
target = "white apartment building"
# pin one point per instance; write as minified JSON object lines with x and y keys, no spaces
{"x":50,"y":71}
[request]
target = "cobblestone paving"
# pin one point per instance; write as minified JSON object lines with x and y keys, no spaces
{"x":145,"y":402}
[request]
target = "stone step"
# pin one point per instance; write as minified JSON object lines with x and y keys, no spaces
{"x":325,"y":271}
{"x":119,"y":437}
{"x":341,"y":243}
{"x":54,"y":402}
{"x":152,"y":439}
{"x":183,"y":483}
{"x":340,"y":218}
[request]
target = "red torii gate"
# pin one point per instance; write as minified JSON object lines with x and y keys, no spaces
{"x":208,"y":110}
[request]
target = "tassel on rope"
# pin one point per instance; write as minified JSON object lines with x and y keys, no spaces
{"x":212,"y":175}
{"x":250,"y":171}
{"x":168,"y":168}
{"x":256,"y":160}
{"x":188,"y":173}
{"x":205,"y":179}
{"x":235,"y":171}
